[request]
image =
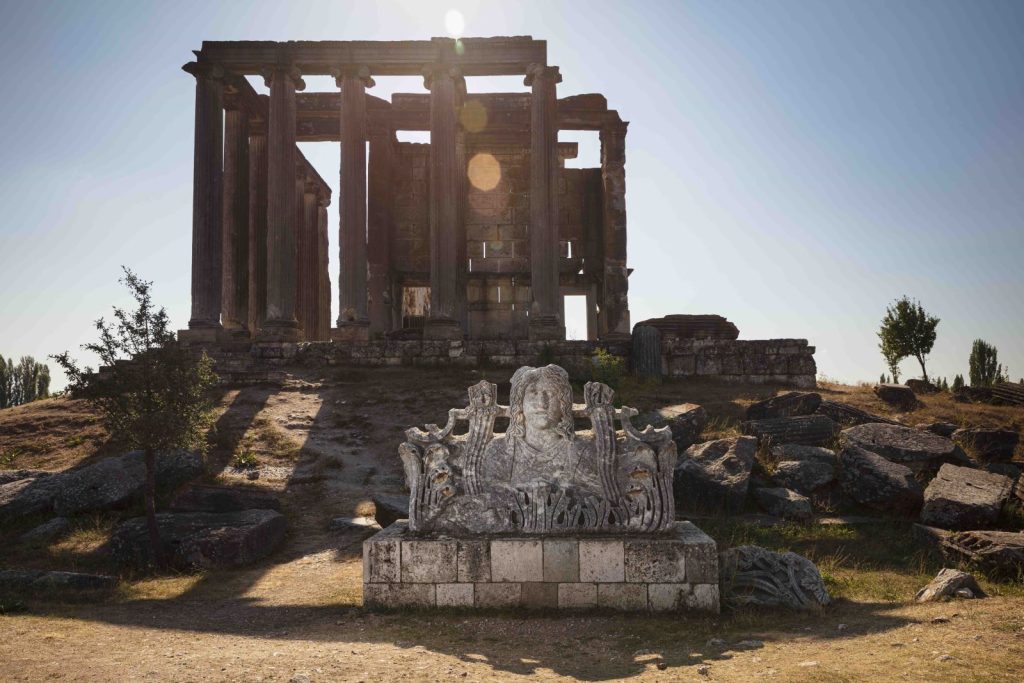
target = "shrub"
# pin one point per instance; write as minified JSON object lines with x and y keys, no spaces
{"x":607,"y":368}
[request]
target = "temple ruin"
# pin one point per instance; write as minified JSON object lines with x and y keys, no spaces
{"x":479,"y":234}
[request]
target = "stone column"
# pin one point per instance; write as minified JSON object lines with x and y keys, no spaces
{"x":353,"y":321}
{"x":445,"y":83}
{"x":323,"y":267}
{"x":546,"y":321}
{"x":204,"y":323}
{"x":257,"y":227}
{"x":309,"y":275}
{"x":301,"y":247}
{"x":234,"y":310}
{"x":614,"y":316}
{"x":379,"y":230}
{"x":280,"y":323}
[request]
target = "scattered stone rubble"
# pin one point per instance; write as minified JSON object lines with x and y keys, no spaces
{"x":950,"y":583}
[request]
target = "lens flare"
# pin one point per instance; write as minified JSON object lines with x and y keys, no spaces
{"x":473,"y":116}
{"x":484,"y":172}
{"x":454,"y":23}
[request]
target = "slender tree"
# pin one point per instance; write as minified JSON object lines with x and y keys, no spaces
{"x":6,"y":385}
{"x":152,"y":393}
{"x":907,"y":331}
{"x":985,"y":369}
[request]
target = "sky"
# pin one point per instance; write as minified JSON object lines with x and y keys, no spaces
{"x":792,"y":166}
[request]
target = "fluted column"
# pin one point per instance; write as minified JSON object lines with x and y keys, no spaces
{"x":614,"y":317}
{"x":545,"y":313}
{"x":204,"y":322}
{"x":323,"y":268}
{"x":378,"y":234}
{"x":301,"y":248}
{"x":353,"y":321}
{"x":446,"y":86}
{"x":280,"y":323}
{"x":257,"y":228}
{"x":309,"y":275}
{"x":235,"y":269}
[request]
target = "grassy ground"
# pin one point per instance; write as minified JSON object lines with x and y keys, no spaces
{"x":325,"y":443}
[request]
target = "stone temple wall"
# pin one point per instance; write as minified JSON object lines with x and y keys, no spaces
{"x":781,"y":361}
{"x":665,"y":572}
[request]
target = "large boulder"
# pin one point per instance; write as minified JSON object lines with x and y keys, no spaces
{"x":47,"y":531}
{"x":878,"y":483}
{"x":808,"y":430}
{"x":988,"y":445}
{"x":964,"y":498}
{"x":28,"y":581}
{"x":751,"y":575}
{"x":784,"y":503}
{"x":950,"y":583}
{"x":714,"y":476}
{"x":205,"y":498}
{"x":27,"y":496}
{"x":7,"y":476}
{"x":790,"y":404}
{"x":804,"y":469}
{"x":896,"y":395}
{"x":687,"y":421}
{"x":919,"y":386}
{"x":920,"y":451}
{"x":205,"y":540}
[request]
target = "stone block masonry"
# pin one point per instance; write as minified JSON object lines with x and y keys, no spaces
{"x":665,"y":572}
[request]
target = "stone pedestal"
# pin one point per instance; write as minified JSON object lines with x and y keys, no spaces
{"x":352,"y":330}
{"x":677,"y":570}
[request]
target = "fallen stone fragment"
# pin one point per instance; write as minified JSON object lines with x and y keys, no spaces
{"x":896,"y":395}
{"x":790,"y":404}
{"x":948,"y":583}
{"x":918,"y":450}
{"x":848,"y":416}
{"x":944,"y":429}
{"x":803,"y":469}
{"x":919,"y":386}
{"x":714,"y":476}
{"x":988,"y":445}
{"x":42,"y":583}
{"x":47,"y":531}
{"x":390,"y":508}
{"x":999,"y":554}
{"x":751,"y":575}
{"x":784,"y":503}
{"x":206,"y":498}
{"x":687,"y":421}
{"x":963,"y":498}
{"x":7,"y":476}
{"x":808,"y":430}
{"x":875,"y":482}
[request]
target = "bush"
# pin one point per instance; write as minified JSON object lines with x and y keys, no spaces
{"x":607,"y":368}
{"x":985,"y":369}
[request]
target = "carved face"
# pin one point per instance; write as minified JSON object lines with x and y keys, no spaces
{"x":541,"y":405}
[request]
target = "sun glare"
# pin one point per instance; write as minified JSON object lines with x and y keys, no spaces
{"x":454,"y":23}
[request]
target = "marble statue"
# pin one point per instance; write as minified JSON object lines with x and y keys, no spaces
{"x":542,"y":475}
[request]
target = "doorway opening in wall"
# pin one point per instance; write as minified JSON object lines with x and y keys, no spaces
{"x":415,"y":307}
{"x":575,"y":307}
{"x":588,"y":153}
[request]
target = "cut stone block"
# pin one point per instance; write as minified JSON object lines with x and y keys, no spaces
{"x":391,"y":595}
{"x":382,"y":555}
{"x":498,"y":594}
{"x":602,"y":561}
{"x":517,"y":561}
{"x":430,"y":562}
{"x":454,"y":595}
{"x":577,"y":595}
{"x":667,"y":597}
{"x":561,"y":560}
{"x":651,"y":561}
{"x":474,"y":561}
{"x":704,"y":597}
{"x":964,"y":498}
{"x":622,"y":596}
{"x":540,"y":595}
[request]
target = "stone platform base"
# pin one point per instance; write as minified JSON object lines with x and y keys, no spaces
{"x":674,"y":571}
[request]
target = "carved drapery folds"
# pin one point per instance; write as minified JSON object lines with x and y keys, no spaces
{"x":540,"y":476}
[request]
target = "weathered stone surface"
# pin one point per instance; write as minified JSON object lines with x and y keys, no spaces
{"x":875,"y":482}
{"x":686,"y":420}
{"x":804,"y":469}
{"x":430,"y":562}
{"x":474,"y":561}
{"x":22,"y":582}
{"x":807,"y":430}
{"x":668,"y":597}
{"x":988,"y":445}
{"x":784,"y":503}
{"x":622,"y":596}
{"x":655,"y":562}
{"x":950,"y":583}
{"x":359,"y":524}
{"x":755,"y":576}
{"x":27,"y":496}
{"x":682,"y":326}
{"x":47,"y":531}
{"x":202,"y":539}
{"x":517,"y":560}
{"x":541,"y":475}
{"x":455,"y":595}
{"x":920,"y":451}
{"x":896,"y":395}
{"x":964,"y":498}
{"x":498,"y":594}
{"x":7,"y":476}
{"x":1000,"y":554}
{"x":849,"y":416}
{"x":601,"y":561}
{"x":561,"y":560}
{"x":714,"y":476}
{"x":790,"y":404}
{"x":540,"y":595}
{"x":577,"y":595}
{"x":206,"y":498}
{"x":389,"y":508}
{"x":919,"y":386}
{"x":395,"y":595}
{"x":944,"y":429}
{"x":382,"y":555}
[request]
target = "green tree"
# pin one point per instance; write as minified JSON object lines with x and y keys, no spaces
{"x":958,"y":382}
{"x":985,"y":369}
{"x":157,"y":401}
{"x":23,"y":383}
{"x":907,"y":331}
{"x":6,"y":385}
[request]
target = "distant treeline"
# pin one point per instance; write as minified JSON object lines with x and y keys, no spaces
{"x":23,"y":383}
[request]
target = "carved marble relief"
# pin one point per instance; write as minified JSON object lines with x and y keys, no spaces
{"x":542,"y":475}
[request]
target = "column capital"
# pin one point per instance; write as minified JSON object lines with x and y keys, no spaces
{"x":360,"y":72}
{"x":442,"y":70}
{"x":541,"y":72}
{"x":204,"y":70}
{"x":283,"y":71}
